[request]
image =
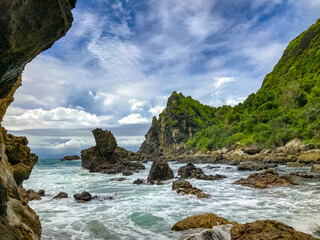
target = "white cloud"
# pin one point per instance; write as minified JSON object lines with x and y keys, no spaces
{"x":221,"y":81}
{"x":156,"y":110}
{"x":137,"y":105}
{"x":18,"y":119}
{"x":232,"y":101}
{"x":133,"y":119}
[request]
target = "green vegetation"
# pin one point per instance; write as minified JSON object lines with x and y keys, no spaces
{"x":287,"y":105}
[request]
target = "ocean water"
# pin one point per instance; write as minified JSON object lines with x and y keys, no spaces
{"x":149,"y":211}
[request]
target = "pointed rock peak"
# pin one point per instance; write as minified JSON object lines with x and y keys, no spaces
{"x":174,"y":98}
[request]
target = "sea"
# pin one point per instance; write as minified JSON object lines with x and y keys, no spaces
{"x":150,"y":211}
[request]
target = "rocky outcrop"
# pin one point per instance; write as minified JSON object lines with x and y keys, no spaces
{"x":32,"y":195}
{"x":267,"y":178}
{"x":311,"y":156}
{"x":70,"y":158}
{"x":139,"y":181}
{"x":258,"y":230}
{"x":191,"y":171}
{"x":27,"y":28}
{"x":61,"y":195}
{"x":160,"y":171}
{"x":184,"y":187}
{"x":83,"y":197}
{"x":107,"y":157}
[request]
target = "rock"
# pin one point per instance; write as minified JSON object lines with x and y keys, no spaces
{"x":41,"y":193}
{"x":225,"y":150}
{"x":250,"y":166}
{"x":181,"y":183}
{"x":267,"y":178}
{"x":212,"y":167}
{"x":311,"y":156}
{"x":32,"y":195}
{"x":117,"y":179}
{"x":61,"y":195}
{"x":160,"y":170}
{"x":306,"y":147}
{"x":208,"y":220}
{"x":139,"y":181}
{"x":258,"y":230}
{"x":83,"y":197}
{"x":252,"y":149}
{"x":106,"y":157}
{"x":293,"y":146}
{"x":315,"y":168}
{"x":70,"y":158}
{"x":305,"y":176}
{"x":235,"y":155}
{"x":127,"y":173}
{"x":191,"y":171}
{"x":294,"y":164}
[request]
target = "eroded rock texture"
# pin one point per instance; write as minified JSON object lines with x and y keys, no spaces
{"x":27,"y":29}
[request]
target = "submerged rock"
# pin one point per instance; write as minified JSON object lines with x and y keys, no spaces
{"x":191,"y":171}
{"x":184,"y":187}
{"x":83,"y":197}
{"x":258,"y":230}
{"x":160,"y":171}
{"x":117,"y":179}
{"x":139,"y":181}
{"x":70,"y":158}
{"x":267,"y":178}
{"x":61,"y":195}
{"x":107,"y":157}
{"x":181,"y":183}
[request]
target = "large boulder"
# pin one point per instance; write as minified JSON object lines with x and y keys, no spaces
{"x":293,"y":147}
{"x":160,"y":171}
{"x":258,"y":230}
{"x":83,"y":197}
{"x":191,"y":171}
{"x":61,"y":195}
{"x":107,"y":157}
{"x":250,"y":166}
{"x":181,"y":183}
{"x":267,"y":178}
{"x":312,"y":156}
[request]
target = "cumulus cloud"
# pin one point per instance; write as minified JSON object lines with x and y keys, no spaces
{"x":156,"y":110}
{"x":222,"y":80}
{"x":133,"y":119}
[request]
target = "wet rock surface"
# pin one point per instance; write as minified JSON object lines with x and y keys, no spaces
{"x":184,"y":187}
{"x":258,"y":230}
{"x":191,"y":171}
{"x":61,"y":195}
{"x":107,"y":157}
{"x":267,"y":178}
{"x":83,"y":197}
{"x":160,"y":171}
{"x":139,"y":181}
{"x":70,"y":158}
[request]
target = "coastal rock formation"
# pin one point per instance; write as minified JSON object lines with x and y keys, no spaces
{"x":106,"y":156}
{"x":191,"y":171}
{"x":184,"y":187}
{"x":70,"y":158}
{"x":83,"y":197}
{"x":160,"y":171}
{"x":267,"y":178}
{"x":61,"y":195}
{"x":258,"y":230}
{"x":139,"y":181}
{"x":32,"y":195}
{"x":27,"y":29}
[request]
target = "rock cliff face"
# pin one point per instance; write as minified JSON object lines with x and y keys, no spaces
{"x":27,"y":29}
{"x":182,"y":118}
{"x":107,"y":157}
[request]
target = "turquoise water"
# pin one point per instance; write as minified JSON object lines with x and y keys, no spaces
{"x":149,"y":211}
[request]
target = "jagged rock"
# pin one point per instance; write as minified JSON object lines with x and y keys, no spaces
{"x":61,"y":195}
{"x":250,"y":166}
{"x":315,"y":168}
{"x":258,"y":230}
{"x":267,"y":178}
{"x":191,"y":171}
{"x":160,"y":171}
{"x":41,"y":193}
{"x":293,"y":146}
{"x":83,"y":197}
{"x":306,"y":147}
{"x":70,"y":158}
{"x":106,"y":157}
{"x":32,"y":195}
{"x":312,"y":156}
{"x":139,"y":181}
{"x":181,"y":183}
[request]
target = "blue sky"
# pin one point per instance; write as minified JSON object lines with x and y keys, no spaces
{"x":121,"y":60}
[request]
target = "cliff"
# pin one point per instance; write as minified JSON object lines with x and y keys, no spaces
{"x":286,"y":107}
{"x":27,"y":29}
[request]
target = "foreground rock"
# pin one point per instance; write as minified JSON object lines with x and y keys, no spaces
{"x":184,"y":187}
{"x":267,"y":178}
{"x":191,"y":171}
{"x":255,"y":166}
{"x":139,"y":181}
{"x":83,"y":197}
{"x":107,"y":157}
{"x":70,"y":158}
{"x":61,"y":195}
{"x":258,"y":230}
{"x":160,"y":171}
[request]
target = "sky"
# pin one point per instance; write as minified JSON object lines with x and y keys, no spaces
{"x":121,"y":60}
